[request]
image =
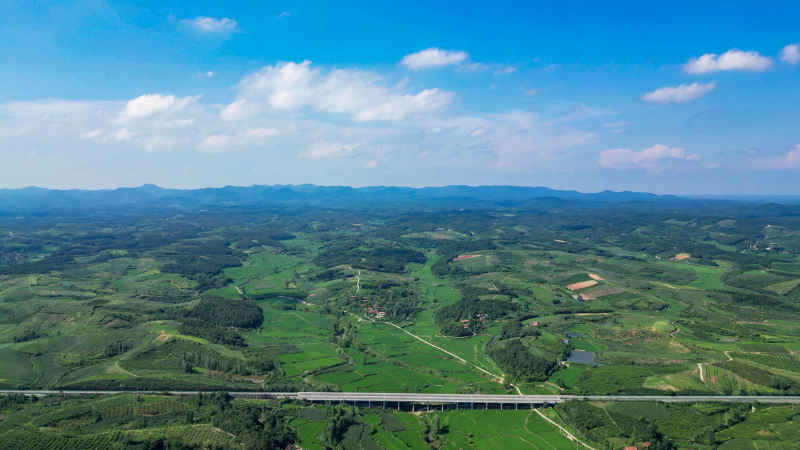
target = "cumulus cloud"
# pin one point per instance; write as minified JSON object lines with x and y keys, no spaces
{"x":236,"y":110}
{"x":679,"y":94}
{"x":655,"y":158}
{"x":433,"y":57}
{"x":791,"y":54}
{"x":152,"y":104}
{"x":360,"y":94}
{"x":397,"y":107}
{"x":733,"y":59}
{"x":371,"y":164}
{"x":211,"y":25}
{"x":287,"y":114}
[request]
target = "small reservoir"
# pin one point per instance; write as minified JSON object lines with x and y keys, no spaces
{"x":581,"y":357}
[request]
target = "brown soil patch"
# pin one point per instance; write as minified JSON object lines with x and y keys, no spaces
{"x":581,"y":285}
{"x":677,"y":347}
{"x":117,"y":323}
{"x":164,"y":337}
{"x":601,"y":292}
{"x":596,"y":277}
{"x":682,"y":256}
{"x":463,"y":257}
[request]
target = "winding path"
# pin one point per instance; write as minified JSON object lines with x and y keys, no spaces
{"x":569,"y":435}
{"x":496,"y":377}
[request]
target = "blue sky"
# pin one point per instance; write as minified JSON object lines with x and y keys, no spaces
{"x":681,"y":97}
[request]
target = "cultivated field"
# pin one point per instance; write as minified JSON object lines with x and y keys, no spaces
{"x":434,"y":302}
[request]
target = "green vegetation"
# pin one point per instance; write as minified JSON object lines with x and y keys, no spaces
{"x":405,"y":298}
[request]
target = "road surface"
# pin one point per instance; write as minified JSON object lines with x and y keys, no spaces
{"x":461,"y":399}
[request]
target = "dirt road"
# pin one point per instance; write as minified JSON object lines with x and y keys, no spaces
{"x":498,"y":378}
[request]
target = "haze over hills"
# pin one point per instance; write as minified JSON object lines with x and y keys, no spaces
{"x":151,"y":196}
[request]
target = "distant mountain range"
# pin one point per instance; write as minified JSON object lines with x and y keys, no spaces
{"x":148,"y":197}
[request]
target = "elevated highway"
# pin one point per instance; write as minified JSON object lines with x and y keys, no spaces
{"x":478,"y":401}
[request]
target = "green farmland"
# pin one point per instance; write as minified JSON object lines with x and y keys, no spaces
{"x":496,"y":300}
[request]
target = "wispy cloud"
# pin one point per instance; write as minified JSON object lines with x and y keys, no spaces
{"x":211,"y":25}
{"x":620,"y":124}
{"x":326,"y":150}
{"x":152,"y":104}
{"x":679,"y":94}
{"x":433,"y":57}
{"x":505,"y":70}
{"x":789,"y":161}
{"x":655,"y":158}
{"x":733,"y":59}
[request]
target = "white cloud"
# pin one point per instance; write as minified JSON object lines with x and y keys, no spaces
{"x":371,"y":164}
{"x":731,"y":60}
{"x":296,"y":110}
{"x":151,"y":104}
{"x":474,"y":66}
{"x":157,"y":143}
{"x":236,"y":110}
{"x":215,"y":143}
{"x":283,"y":86}
{"x":515,"y":141}
{"x":679,"y":94}
{"x":531,"y":92}
{"x":505,"y":70}
{"x":211,"y":25}
{"x":620,"y":124}
{"x":791,"y":54}
{"x":262,"y":132}
{"x":91,"y":135}
{"x":397,"y":107}
{"x":285,"y":14}
{"x":360,"y":94}
{"x":327,"y":150}
{"x":792,"y":158}
{"x":122,"y":135}
{"x":654,"y":158}
{"x":789,"y":161}
{"x":433,"y":57}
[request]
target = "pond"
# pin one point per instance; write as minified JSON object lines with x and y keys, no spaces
{"x":581,"y":357}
